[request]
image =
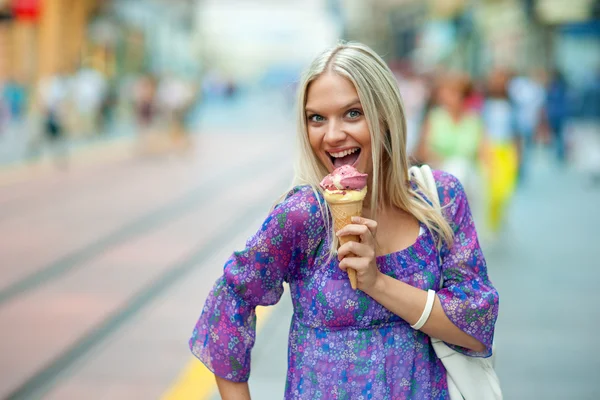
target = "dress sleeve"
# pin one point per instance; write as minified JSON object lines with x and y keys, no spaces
{"x":224,"y":335}
{"x":468,"y":297}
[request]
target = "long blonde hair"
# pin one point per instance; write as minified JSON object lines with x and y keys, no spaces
{"x":380,"y":99}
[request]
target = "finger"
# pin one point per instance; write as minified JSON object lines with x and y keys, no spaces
{"x":369,"y":223}
{"x":353,"y":229}
{"x":358,"y":230}
{"x":359,"y":264}
{"x":355,"y":249}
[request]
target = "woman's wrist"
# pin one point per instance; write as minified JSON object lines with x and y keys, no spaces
{"x":378,"y":287}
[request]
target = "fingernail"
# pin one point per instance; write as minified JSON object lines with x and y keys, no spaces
{"x":355,"y":219}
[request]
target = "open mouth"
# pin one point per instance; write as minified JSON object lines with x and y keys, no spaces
{"x":346,"y":157}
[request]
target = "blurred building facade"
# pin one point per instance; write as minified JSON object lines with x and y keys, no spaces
{"x":476,"y":35}
{"x":97,"y":50}
{"x":244,"y":39}
{"x":163,"y":30}
{"x":389,"y":26}
{"x":41,"y":38}
{"x":268,"y":40}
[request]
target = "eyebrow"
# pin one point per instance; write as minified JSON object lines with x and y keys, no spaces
{"x":350,"y":104}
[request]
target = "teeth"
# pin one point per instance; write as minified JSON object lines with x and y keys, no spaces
{"x":344,"y":153}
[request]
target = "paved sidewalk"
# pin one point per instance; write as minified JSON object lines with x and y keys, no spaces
{"x":98,"y":300}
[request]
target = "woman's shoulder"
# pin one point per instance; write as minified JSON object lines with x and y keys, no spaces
{"x":443,"y":178}
{"x":300,"y":202}
{"x":301,"y":193}
{"x":450,"y":189}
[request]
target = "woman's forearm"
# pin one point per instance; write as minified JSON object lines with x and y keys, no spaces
{"x":230,"y":390}
{"x":408,"y":302}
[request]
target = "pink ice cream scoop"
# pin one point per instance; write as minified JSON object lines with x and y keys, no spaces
{"x":345,"y":177}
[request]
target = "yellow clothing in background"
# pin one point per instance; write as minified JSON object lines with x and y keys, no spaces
{"x":502,"y":181}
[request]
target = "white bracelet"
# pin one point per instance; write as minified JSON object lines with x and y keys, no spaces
{"x":426,"y":312}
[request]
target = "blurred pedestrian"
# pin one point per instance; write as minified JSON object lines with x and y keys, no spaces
{"x":474,"y":97}
{"x":107,"y":107}
{"x":147,"y":111}
{"x":585,"y":149}
{"x":53,"y":96}
{"x":175,"y":97}
{"x":594,"y":106}
{"x":144,"y":93}
{"x":499,"y":121}
{"x":231,"y":89}
{"x":347,"y":343}
{"x":527,"y":95}
{"x":14,"y":95}
{"x":453,"y":139}
{"x":4,"y":111}
{"x":556,"y":112}
{"x":89,"y":88}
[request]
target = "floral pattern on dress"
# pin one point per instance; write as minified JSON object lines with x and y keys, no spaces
{"x":343,"y":344}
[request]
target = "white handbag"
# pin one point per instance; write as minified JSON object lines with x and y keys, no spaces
{"x":469,"y":378}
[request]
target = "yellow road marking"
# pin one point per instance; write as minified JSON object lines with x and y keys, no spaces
{"x":196,"y":382}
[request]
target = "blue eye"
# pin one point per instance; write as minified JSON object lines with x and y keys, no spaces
{"x":316,"y":118}
{"x":353,"y":114}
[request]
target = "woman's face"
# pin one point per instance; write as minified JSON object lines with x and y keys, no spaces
{"x":450,"y":97}
{"x":337,"y":127}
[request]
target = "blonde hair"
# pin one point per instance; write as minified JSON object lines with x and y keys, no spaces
{"x":380,"y":99}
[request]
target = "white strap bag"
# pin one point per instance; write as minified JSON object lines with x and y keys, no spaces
{"x":469,"y":378}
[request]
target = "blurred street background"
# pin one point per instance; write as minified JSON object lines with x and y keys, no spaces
{"x":142,"y":141}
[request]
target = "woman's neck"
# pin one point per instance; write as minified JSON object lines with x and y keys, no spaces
{"x":456,"y":113}
{"x":382,"y":210}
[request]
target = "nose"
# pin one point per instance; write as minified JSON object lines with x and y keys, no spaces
{"x":334,"y":133}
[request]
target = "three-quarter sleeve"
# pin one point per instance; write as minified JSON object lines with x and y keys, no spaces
{"x":224,"y":334}
{"x":468,"y":297}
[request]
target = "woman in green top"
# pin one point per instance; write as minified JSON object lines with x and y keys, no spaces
{"x":452,"y":139}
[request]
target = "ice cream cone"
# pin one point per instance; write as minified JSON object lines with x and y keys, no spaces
{"x":342,"y":214}
{"x":344,"y":190}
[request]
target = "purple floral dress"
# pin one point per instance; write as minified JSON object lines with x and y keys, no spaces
{"x":343,"y":344}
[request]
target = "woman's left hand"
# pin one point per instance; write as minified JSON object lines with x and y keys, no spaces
{"x":360,"y":256}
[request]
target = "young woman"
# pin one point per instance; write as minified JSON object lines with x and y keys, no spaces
{"x":453,"y":139}
{"x":344,"y":343}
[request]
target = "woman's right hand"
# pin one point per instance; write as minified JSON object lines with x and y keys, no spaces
{"x":360,"y":256}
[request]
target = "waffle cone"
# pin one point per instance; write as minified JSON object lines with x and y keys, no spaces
{"x":342,"y":214}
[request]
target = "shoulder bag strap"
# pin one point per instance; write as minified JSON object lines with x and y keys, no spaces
{"x":424,"y":175}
